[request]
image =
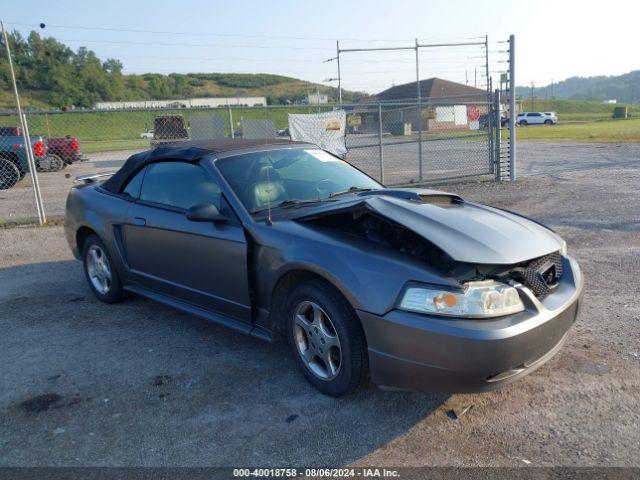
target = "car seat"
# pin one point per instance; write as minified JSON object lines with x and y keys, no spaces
{"x":268,"y":190}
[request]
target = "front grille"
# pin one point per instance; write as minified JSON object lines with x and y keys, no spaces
{"x":541,"y":275}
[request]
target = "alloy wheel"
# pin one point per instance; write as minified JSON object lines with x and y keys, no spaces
{"x":317,"y":341}
{"x":99,"y":269}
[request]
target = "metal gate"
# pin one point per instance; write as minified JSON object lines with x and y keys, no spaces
{"x":405,"y":142}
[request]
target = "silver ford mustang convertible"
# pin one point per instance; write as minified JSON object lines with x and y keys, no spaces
{"x":408,"y":288}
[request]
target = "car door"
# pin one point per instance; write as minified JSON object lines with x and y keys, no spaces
{"x":535,"y":118}
{"x":202,"y":263}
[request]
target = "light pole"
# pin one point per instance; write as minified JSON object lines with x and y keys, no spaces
{"x":533,"y":101}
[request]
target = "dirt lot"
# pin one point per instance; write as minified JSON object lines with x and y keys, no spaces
{"x":142,"y":384}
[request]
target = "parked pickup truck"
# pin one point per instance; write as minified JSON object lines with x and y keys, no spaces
{"x":67,"y":149}
{"x":13,"y":156}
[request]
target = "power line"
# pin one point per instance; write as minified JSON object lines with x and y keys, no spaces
{"x":215,"y":45}
{"x":221,"y":35}
{"x":214,"y":59}
{"x":297,"y":60}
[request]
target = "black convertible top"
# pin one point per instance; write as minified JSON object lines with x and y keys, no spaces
{"x":189,"y":151}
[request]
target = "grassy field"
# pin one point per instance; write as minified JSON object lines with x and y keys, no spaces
{"x":105,"y":131}
{"x":582,"y":121}
{"x":102,"y":131}
{"x":594,"y":131}
{"x":577,"y":110}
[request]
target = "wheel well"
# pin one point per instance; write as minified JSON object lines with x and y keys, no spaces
{"x":81,"y":236}
{"x":12,"y":157}
{"x":280,"y":294}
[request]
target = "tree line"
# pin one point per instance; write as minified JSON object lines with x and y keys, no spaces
{"x":53,"y":74}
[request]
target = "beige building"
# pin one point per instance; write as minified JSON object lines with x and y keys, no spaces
{"x":206,"y":102}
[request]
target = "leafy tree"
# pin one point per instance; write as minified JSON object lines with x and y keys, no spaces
{"x":54,"y":74}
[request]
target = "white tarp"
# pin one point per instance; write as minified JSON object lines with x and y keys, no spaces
{"x":326,"y":130}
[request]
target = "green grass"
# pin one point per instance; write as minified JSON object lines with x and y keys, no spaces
{"x":577,"y":110}
{"x":106,"y":131}
{"x":595,"y":131}
{"x":103,"y":131}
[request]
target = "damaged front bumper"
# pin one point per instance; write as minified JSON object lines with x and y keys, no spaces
{"x":420,"y":352}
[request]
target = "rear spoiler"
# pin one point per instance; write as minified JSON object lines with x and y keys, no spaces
{"x":92,"y":177}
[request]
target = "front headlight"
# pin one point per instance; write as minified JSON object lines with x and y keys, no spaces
{"x":563,"y":249}
{"x":483,"y":299}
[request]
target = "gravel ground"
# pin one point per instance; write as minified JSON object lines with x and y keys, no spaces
{"x":141,"y":384}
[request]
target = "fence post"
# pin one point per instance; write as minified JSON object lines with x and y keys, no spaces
{"x":419,"y":94}
{"x":491,"y":134}
{"x":25,"y":133}
{"x":497,"y":134}
{"x":512,"y":107}
{"x":380,"y":147}
{"x":230,"y":120}
{"x":42,"y":218}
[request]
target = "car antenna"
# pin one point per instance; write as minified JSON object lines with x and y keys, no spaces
{"x":268,"y":221}
{"x":266,"y":118}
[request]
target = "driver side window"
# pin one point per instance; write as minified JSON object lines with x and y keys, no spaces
{"x":179,"y":185}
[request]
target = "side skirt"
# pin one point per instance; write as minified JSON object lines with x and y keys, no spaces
{"x":253,"y":330}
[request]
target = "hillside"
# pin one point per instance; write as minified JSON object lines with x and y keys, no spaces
{"x":624,"y":88}
{"x":50,"y":74}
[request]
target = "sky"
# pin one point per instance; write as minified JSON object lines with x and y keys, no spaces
{"x":554,"y":39}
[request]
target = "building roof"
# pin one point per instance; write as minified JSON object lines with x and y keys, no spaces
{"x":188,"y":151}
{"x":431,"y":88}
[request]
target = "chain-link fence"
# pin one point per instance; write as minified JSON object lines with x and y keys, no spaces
{"x":409,"y":142}
{"x":17,"y":193}
{"x":398,"y":143}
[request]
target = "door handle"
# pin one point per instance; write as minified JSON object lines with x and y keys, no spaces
{"x":139,"y":221}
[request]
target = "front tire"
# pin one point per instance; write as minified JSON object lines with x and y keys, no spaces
{"x":548,"y":122}
{"x":100,"y":272}
{"x":326,"y":339}
{"x":523,"y":123}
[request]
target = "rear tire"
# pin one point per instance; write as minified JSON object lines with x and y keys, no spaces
{"x":100,"y":271}
{"x":51,"y":163}
{"x":9,"y":174}
{"x":326,"y":338}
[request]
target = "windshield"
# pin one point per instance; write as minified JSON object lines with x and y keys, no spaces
{"x":291,"y":177}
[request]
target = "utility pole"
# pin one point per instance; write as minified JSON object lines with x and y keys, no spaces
{"x":486,"y":67}
{"x":475,"y":77}
{"x":533,"y":101}
{"x":339,"y":78}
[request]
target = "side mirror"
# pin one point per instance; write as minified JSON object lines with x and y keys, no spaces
{"x":206,"y":212}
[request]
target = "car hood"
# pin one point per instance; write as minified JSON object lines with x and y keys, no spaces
{"x":466,"y":231}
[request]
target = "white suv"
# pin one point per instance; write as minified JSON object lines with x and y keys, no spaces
{"x":536,"y":118}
